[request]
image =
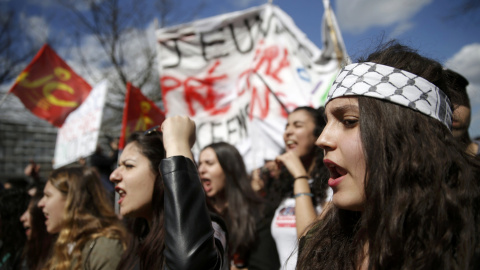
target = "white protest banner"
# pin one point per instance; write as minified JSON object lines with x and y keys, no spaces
{"x":237,"y":75}
{"x":78,"y":136}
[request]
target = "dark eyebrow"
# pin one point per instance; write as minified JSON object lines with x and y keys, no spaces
{"x":344,"y":108}
{"x":208,"y":160}
{"x":125,"y":161}
{"x":298,"y":122}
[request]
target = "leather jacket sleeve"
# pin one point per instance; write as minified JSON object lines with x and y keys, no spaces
{"x":190,"y":241}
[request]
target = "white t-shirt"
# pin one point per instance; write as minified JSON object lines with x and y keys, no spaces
{"x":284,"y":231}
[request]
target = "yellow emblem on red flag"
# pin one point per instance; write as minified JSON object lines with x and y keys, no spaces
{"x":49,"y":88}
{"x":139,"y":114}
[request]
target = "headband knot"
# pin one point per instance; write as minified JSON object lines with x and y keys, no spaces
{"x":395,"y":85}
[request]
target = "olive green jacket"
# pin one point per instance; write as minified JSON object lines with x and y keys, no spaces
{"x":101,"y":254}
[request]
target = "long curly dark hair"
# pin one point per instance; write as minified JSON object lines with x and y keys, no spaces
{"x":283,"y":186}
{"x":422,"y":193}
{"x":146,"y":244}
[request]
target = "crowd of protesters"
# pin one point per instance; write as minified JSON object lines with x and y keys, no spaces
{"x":384,"y":176}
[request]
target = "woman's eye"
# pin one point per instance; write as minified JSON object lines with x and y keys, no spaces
{"x":350,"y":122}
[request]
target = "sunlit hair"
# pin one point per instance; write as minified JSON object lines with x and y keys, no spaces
{"x":421,"y":195}
{"x":284,"y":187}
{"x":38,"y":246}
{"x":245,"y":207}
{"x":146,"y":244}
{"x":88,"y":215}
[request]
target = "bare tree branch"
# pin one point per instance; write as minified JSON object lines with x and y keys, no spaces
{"x":464,"y":8}
{"x":127,"y":52}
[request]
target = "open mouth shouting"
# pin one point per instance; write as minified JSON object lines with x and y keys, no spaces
{"x":28,"y":230}
{"x":46,"y":218}
{"x":291,"y":144}
{"x":121,"y":193}
{"x":337,"y":173}
{"x":207,"y":185}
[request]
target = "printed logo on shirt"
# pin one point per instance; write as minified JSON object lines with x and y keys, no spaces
{"x":286,"y":217}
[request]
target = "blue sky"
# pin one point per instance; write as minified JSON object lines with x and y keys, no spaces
{"x":426,"y":25}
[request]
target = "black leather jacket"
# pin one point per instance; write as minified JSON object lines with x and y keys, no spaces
{"x":191,"y":242}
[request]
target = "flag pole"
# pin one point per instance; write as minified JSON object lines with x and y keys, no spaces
{"x":4,"y":98}
{"x":271,"y":92}
{"x":332,"y":33}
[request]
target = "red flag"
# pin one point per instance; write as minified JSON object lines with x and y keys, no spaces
{"x":139,"y":114}
{"x":49,"y":88}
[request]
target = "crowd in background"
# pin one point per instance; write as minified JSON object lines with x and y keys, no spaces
{"x":385,"y":176}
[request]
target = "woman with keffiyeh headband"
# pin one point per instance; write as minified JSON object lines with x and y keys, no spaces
{"x":405,"y":194}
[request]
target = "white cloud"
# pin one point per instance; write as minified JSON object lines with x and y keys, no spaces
{"x":356,"y":16}
{"x":133,"y":45}
{"x":99,"y":63}
{"x":401,"y":28}
{"x":35,"y":27}
{"x":92,"y":52}
{"x":80,"y":5}
{"x":247,"y":3}
{"x":467,"y":63}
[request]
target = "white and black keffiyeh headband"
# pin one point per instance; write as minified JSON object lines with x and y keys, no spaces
{"x":395,"y":85}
